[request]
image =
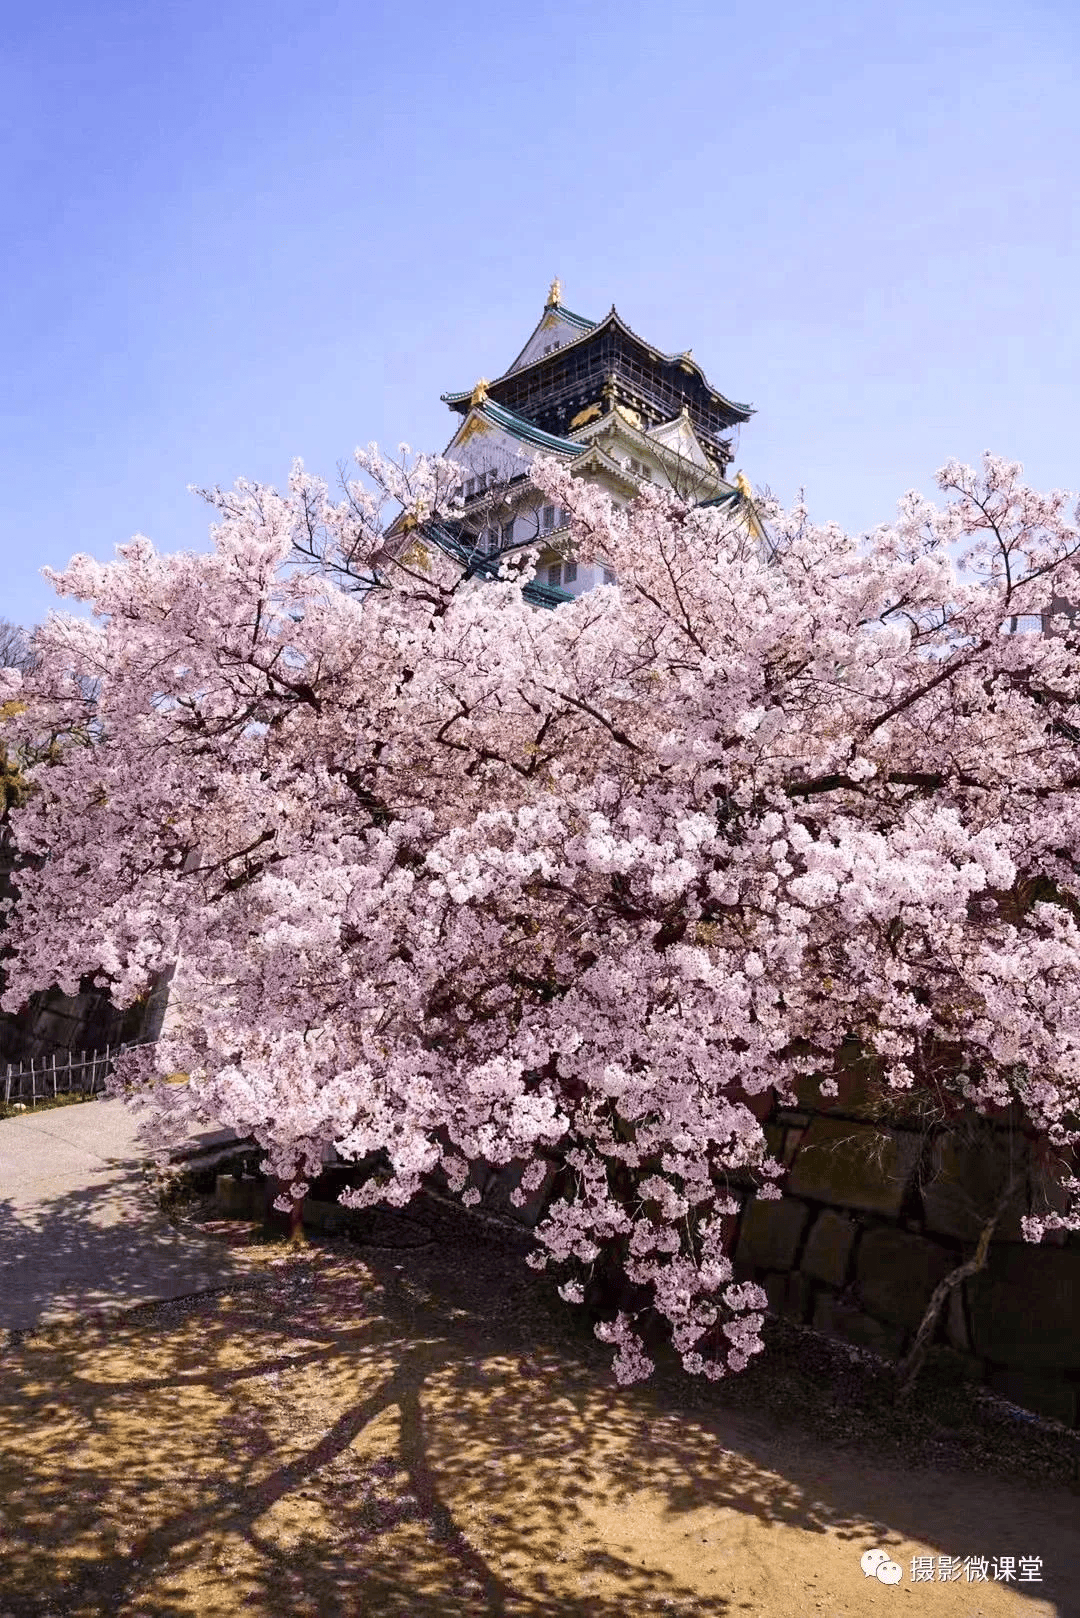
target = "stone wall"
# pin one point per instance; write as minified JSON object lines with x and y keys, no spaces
{"x":53,"y":1023}
{"x":874,"y":1217}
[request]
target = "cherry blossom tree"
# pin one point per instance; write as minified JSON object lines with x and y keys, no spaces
{"x":16,"y":646}
{"x":451,"y":879}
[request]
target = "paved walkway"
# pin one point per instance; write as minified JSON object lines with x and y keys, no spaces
{"x":79,"y":1227}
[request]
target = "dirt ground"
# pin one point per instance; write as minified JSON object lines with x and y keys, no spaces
{"x":409,"y":1425}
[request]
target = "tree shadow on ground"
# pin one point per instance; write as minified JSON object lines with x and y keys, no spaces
{"x":422,"y":1431}
{"x":103,"y":1245}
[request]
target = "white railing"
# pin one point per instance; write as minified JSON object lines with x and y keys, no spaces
{"x":63,"y":1073}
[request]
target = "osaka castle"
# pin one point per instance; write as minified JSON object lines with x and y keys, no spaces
{"x":617,"y":410}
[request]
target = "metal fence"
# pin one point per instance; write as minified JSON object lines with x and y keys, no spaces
{"x":62,"y":1073}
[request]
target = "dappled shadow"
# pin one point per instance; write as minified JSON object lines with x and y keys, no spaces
{"x":423,"y":1434}
{"x":102,"y":1245}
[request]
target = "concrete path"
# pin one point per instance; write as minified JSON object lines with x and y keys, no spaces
{"x":79,"y":1227}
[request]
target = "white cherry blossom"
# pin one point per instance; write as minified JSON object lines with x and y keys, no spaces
{"x":449,"y":878}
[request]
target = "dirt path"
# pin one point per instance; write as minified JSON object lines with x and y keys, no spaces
{"x":415,"y":1431}
{"x":79,"y":1227}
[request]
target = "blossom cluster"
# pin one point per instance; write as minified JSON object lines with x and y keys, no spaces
{"x":444,"y":879}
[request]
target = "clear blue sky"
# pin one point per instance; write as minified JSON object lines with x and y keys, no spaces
{"x":236,"y":232}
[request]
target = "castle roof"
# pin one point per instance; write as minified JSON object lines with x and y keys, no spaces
{"x":451,"y":539}
{"x":519,"y":427}
{"x":571,"y":363}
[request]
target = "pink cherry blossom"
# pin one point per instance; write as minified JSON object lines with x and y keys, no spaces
{"x":445,"y":878}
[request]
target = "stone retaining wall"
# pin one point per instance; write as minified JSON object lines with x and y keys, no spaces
{"x":53,"y":1023}
{"x":874,"y":1217}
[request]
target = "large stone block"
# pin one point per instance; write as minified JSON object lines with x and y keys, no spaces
{"x":770,"y":1233}
{"x":790,"y":1293}
{"x":793,"y":1139}
{"x":326,"y":1216}
{"x":956,"y":1326}
{"x":57,"y":1027}
{"x":67,"y":1005}
{"x":857,"y":1078}
{"x":965,"y":1184}
{"x":951,"y":1365}
{"x":774,"y":1140}
{"x":1048,"y":1193}
{"x":897,"y":1272}
{"x":501,"y":1185}
{"x":837,"y":1318}
{"x":828,"y":1247}
{"x":240,"y":1199}
{"x":854,"y":1165}
{"x":1025,"y":1307}
{"x":1041,"y":1391}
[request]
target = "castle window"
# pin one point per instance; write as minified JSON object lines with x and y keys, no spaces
{"x":569,"y":572}
{"x":547,"y":518}
{"x":508,"y":532}
{"x":554,"y":574}
{"x":609,"y":576}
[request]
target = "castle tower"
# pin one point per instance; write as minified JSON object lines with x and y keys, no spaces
{"x":619,"y":411}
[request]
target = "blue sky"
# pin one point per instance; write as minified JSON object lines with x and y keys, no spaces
{"x":235,"y":233}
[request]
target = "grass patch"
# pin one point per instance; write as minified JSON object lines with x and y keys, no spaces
{"x":73,"y":1098}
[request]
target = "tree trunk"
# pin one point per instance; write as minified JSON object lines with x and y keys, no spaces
{"x":290,"y":1224}
{"x":913,"y":1361}
{"x":296,"y":1221}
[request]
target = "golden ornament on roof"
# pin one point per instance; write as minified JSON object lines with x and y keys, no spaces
{"x":589,"y":413}
{"x":479,"y":393}
{"x":742,"y":483}
{"x":554,"y":297}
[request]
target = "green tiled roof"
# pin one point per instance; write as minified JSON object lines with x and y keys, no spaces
{"x":734,"y":499}
{"x":510,"y":422}
{"x":580,"y":321}
{"x":730,"y":497}
{"x":487,"y":567}
{"x":544,"y":595}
